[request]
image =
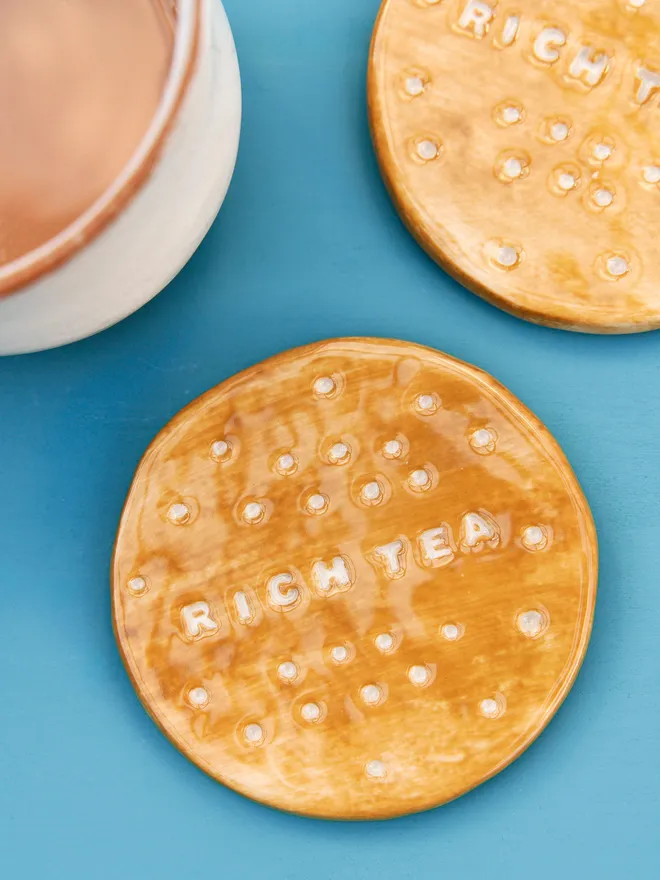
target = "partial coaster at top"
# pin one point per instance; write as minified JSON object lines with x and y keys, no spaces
{"x":521,"y":143}
{"x":355,"y":580}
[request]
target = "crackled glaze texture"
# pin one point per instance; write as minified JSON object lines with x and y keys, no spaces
{"x":354,"y":581}
{"x":521,"y":144}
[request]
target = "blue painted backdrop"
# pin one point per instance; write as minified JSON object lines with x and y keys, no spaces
{"x":307,"y":246}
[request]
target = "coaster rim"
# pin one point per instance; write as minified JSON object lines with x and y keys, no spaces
{"x":518,"y":412}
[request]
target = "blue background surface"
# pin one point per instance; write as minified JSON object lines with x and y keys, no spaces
{"x":306,"y":247}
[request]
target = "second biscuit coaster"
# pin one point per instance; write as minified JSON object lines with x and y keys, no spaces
{"x":521,"y":143}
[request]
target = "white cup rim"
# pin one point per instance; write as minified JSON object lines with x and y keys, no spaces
{"x":59,"y":249}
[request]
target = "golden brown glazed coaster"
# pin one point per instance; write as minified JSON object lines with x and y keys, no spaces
{"x":354,"y":581}
{"x":521,"y":144}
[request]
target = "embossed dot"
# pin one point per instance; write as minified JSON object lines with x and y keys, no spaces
{"x":371,"y":491}
{"x":311,"y":712}
{"x":507,"y":256}
{"x":253,"y":512}
{"x":426,"y":404}
{"x":137,"y":585}
{"x":617,"y":266}
{"x":490,"y":708}
{"x":427,"y":150}
{"x":179,"y":514}
{"x":534,"y":538}
{"x":419,"y":479}
{"x":419,"y":675}
{"x":324,"y":386}
{"x":512,"y":168}
{"x":603,"y":198}
{"x":371,"y":694}
{"x":636,"y":4}
{"x":392,"y":449}
{"x":339,"y":654}
{"x":339,"y":453}
{"x":384,"y":642}
{"x":566,"y":181}
{"x":287,"y":671}
{"x":481,"y":437}
{"x":317,"y":503}
{"x":254,"y":734}
{"x":602,"y":152}
{"x":414,"y":86}
{"x":286,"y":463}
{"x":483,"y":441}
{"x":511,"y":114}
{"x":651,"y":173}
{"x":531,"y":623}
{"x":221,"y":449}
{"x":451,"y":632}
{"x":198,"y":697}
{"x":559,"y":131}
{"x":376,"y":769}
{"x":508,"y":113}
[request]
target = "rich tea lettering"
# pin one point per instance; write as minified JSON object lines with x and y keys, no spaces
{"x":588,"y":65}
{"x":436,"y":548}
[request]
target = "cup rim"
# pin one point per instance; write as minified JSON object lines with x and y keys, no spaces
{"x":66,"y":244}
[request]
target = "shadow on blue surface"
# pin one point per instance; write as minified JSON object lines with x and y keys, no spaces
{"x":306,"y":247}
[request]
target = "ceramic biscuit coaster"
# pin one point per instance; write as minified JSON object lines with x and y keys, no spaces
{"x":355,"y":580}
{"x":521,"y":143}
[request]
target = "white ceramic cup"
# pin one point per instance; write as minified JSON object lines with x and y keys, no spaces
{"x":138,"y":235}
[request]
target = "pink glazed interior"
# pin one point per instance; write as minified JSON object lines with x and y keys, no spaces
{"x":87,"y":93}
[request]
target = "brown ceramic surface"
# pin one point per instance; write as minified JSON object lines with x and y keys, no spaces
{"x":521,"y":144}
{"x":355,"y":580}
{"x":80,"y":86}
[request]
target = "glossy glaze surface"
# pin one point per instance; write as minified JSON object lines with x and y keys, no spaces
{"x":355,"y":580}
{"x":521,"y":145}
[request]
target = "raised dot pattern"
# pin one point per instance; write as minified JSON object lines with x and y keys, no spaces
{"x":531,"y":623}
{"x":563,"y":179}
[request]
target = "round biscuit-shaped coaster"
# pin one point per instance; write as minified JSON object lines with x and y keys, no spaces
{"x":521,"y":144}
{"x":355,"y":580}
